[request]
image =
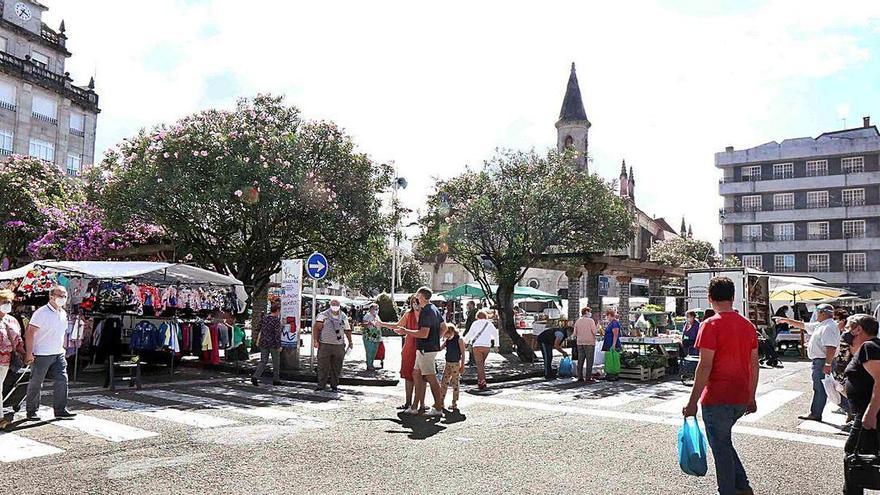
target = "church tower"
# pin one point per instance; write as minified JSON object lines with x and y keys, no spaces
{"x":572,"y":127}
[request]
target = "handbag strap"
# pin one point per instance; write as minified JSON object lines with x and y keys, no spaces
{"x":485,"y":326}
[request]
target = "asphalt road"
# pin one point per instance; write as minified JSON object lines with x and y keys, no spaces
{"x":223,"y":436}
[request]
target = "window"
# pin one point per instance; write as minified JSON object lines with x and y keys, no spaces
{"x":7,"y":96}
{"x":751,"y":233}
{"x":817,"y":199}
{"x":45,"y":109}
{"x":783,"y":170}
{"x":42,"y":150}
{"x":783,"y":232}
{"x":568,"y":141}
{"x":853,"y":229}
{"x":5,"y":143}
{"x":751,"y":203}
{"x":817,"y":168}
{"x":817,"y":262}
{"x":783,"y":263}
{"x":783,"y":201}
{"x":3,"y":43}
{"x":753,"y":261}
{"x":853,"y":197}
{"x":751,"y":173}
{"x":852,"y":164}
{"x":448,"y":278}
{"x":74,"y":165}
{"x":817,"y":230}
{"x":40,"y":59}
{"x":855,"y":262}
{"x":77,"y":123}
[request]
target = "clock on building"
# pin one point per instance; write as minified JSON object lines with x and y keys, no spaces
{"x":23,"y":11}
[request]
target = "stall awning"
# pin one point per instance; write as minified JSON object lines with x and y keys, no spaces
{"x":800,"y":292}
{"x":473,"y":290}
{"x":144,"y":271}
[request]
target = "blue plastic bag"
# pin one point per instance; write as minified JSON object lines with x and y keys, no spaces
{"x":565,"y":367}
{"x":692,"y":448}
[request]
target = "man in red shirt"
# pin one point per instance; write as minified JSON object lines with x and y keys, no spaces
{"x":725,"y":382}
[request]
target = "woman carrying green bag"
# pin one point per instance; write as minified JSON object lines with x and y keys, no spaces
{"x":611,"y":345}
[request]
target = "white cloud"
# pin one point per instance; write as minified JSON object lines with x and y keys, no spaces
{"x":436,"y":86}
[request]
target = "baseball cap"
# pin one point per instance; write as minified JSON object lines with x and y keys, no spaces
{"x":827,"y":308}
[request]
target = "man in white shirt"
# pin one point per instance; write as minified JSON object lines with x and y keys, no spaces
{"x":44,"y":342}
{"x":824,"y":339}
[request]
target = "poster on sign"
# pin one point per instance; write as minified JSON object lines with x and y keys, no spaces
{"x":291,"y":301}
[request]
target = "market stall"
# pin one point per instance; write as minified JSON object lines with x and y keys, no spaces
{"x":129,"y":313}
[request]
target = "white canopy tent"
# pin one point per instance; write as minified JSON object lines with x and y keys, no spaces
{"x":146,"y":271}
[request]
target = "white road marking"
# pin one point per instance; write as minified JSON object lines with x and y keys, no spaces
{"x":271,"y":413}
{"x":286,"y":401}
{"x":770,"y":402}
{"x":16,"y":448}
{"x":673,"y":405}
{"x":645,"y":418}
{"x":831,"y":421}
{"x":97,"y":427}
{"x":187,"y":418}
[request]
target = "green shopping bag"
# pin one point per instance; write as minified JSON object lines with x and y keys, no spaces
{"x":612,"y":362}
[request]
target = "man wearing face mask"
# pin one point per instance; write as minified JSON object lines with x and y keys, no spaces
{"x":330,"y":325}
{"x":44,"y":341}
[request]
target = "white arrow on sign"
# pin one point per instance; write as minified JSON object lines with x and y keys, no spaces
{"x":318,"y":266}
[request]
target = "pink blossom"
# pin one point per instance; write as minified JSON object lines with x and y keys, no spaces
{"x":204,"y":153}
{"x":238,"y":193}
{"x":166,"y":155}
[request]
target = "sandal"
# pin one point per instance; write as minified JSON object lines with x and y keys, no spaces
{"x":403,"y":407}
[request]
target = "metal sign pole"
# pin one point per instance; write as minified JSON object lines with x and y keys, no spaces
{"x":314,"y":315}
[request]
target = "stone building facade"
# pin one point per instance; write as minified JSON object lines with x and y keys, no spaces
{"x":42,"y":113}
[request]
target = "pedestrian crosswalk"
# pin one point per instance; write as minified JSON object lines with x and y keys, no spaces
{"x":120,"y":418}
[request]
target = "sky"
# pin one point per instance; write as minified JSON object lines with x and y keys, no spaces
{"x":436,"y":86}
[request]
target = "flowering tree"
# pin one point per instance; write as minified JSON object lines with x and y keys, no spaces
{"x":79,"y":232}
{"x":520,"y":209}
{"x":241,"y":190}
{"x":28,"y":189}
{"x":687,"y":252}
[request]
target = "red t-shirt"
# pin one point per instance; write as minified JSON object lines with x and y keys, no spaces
{"x":733,"y":338}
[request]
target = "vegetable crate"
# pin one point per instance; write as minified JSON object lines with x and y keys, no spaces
{"x":642,"y":374}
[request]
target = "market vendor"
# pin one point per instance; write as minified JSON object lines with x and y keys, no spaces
{"x":689,"y":334}
{"x":550,"y":339}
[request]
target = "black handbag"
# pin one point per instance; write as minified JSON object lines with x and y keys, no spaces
{"x":863,"y":470}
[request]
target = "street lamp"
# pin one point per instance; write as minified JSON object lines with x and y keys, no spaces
{"x":399,"y":183}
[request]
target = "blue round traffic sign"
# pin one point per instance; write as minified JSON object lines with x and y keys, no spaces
{"x":317,"y":266}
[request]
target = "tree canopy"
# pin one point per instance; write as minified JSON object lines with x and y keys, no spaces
{"x":241,"y":190}
{"x":374,"y":276}
{"x":688,"y":252}
{"x":518,"y":209}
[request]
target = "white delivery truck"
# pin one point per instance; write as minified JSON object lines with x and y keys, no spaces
{"x":752,"y":298}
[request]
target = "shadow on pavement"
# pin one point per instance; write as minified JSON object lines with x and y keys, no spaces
{"x":422,"y":427}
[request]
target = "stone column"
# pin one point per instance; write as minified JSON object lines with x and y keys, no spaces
{"x":595,"y":300}
{"x":623,"y":306}
{"x":574,"y":293}
{"x":655,"y":292}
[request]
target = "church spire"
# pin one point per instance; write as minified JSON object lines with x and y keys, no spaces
{"x":690,"y":232}
{"x":572,"y":105}
{"x":683,"y":230}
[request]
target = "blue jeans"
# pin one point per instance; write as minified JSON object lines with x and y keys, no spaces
{"x":819,"y":395}
{"x":729,"y":471}
{"x":55,"y":366}
{"x":547,"y":353}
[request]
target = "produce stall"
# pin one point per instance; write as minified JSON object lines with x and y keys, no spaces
{"x":649,"y":358}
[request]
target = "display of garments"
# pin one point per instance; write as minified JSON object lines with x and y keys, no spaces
{"x":150,"y":296}
{"x":237,"y":336}
{"x":206,"y":338}
{"x":73,"y":338}
{"x":212,"y":354}
{"x":223,"y":335}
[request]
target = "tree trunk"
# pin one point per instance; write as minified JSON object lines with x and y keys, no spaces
{"x":260,"y":298}
{"x":504,"y":300}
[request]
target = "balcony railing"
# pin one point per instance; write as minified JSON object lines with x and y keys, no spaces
{"x":62,"y":84}
{"x":77,"y":132}
{"x":44,"y":118}
{"x":830,"y":204}
{"x":7,"y":106}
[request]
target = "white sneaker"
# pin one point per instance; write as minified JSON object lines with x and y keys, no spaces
{"x":434,"y":412}
{"x":411,"y":411}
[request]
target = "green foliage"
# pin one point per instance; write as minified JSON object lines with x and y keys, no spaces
{"x":29,"y":188}
{"x":387,"y":308}
{"x":520,"y":208}
{"x":684,"y":252}
{"x":241,"y":190}
{"x":374,"y":276}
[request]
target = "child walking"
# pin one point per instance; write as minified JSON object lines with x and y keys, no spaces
{"x":455,"y":352}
